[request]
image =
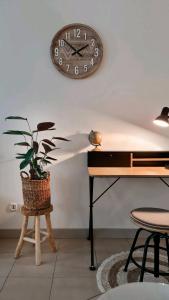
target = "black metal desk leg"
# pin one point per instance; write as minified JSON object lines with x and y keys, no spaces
{"x":91,"y":181}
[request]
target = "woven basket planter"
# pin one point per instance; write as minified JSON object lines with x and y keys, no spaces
{"x":36,"y":193}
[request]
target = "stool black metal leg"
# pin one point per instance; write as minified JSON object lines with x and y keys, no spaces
{"x":167,"y":247}
{"x":92,"y":266}
{"x":144,"y":257}
{"x":156,"y":254}
{"x":132,"y":248}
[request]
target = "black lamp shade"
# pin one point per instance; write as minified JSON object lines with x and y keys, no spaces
{"x":162,"y":120}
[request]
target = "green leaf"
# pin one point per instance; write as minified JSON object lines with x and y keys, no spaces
{"x":29,"y":154}
{"x":15,"y":118}
{"x":19,"y":157}
{"x":48,"y":142}
{"x":24,"y":163}
{"x":27,"y":159}
{"x":17,"y":132}
{"x":50,"y":158}
{"x":60,"y":138}
{"x":22,"y":144}
{"x":43,"y":153}
{"x":35,"y":146}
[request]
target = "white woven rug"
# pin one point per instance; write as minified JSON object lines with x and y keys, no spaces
{"x":110,"y":273}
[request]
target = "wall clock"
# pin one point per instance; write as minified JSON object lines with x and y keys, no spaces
{"x":76,"y":51}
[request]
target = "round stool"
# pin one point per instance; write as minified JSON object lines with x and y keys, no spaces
{"x":156,"y":222}
{"x":36,"y":232}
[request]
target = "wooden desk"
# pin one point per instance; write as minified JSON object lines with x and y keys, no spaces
{"x":117,"y":164}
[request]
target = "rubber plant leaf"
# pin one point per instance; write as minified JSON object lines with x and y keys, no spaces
{"x":44,"y":126}
{"x":45,"y":161}
{"x":46,"y":147}
{"x":15,"y":118}
{"x":60,"y":138}
{"x":22,"y":144}
{"x":50,"y":158}
{"x":17,"y":132}
{"x":48,"y":142}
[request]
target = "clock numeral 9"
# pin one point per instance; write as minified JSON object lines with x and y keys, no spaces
{"x":61,"y":43}
{"x":96,"y":52}
{"x":56,"y":51}
{"x":76,"y":70}
{"x":76,"y":33}
{"x":85,"y":68}
{"x":60,"y":61}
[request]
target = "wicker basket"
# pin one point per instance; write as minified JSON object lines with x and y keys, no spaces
{"x":36,"y":193}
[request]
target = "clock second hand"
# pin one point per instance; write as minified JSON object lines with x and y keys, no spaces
{"x":75,"y":50}
{"x":78,"y":51}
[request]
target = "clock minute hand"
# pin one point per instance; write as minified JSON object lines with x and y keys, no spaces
{"x":78,"y":51}
{"x":73,"y":48}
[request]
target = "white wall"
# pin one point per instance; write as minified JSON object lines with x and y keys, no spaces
{"x":120,"y":100}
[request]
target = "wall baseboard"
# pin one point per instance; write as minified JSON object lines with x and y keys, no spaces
{"x":79,"y":233}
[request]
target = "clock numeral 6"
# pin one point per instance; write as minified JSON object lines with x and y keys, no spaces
{"x":76,"y":70}
{"x":85,"y":68}
{"x":61,"y":43}
{"x":96,"y":52}
{"x":56,"y":51}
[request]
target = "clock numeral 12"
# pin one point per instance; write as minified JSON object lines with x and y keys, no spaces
{"x":77,"y":33}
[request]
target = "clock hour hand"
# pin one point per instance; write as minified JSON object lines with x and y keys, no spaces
{"x":73,"y":48}
{"x":78,"y":51}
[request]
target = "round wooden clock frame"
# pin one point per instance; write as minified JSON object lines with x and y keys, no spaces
{"x":76,"y":51}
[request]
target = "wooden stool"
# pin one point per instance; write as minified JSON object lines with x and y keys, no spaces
{"x":25,"y":234}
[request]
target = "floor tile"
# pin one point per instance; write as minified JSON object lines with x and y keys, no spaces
{"x":112,"y":246}
{"x":26,"y":288}
{"x":74,"y":246}
{"x":6,"y":263}
{"x":2,"y":281}
{"x":69,"y":264}
{"x":25,"y":266}
{"x":74,"y":288}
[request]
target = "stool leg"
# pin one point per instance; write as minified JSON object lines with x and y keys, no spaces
{"x":21,"y":241}
{"x":37,"y":241}
{"x":167,"y":247}
{"x":132,"y":248}
{"x":50,"y":233}
{"x":156,"y":255}
{"x":144,"y":257}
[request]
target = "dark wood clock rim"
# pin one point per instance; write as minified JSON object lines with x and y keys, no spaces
{"x":59,"y":33}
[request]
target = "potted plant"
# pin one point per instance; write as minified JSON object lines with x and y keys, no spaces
{"x":36,"y":155}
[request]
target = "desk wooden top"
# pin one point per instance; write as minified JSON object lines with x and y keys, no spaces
{"x":128,"y":172}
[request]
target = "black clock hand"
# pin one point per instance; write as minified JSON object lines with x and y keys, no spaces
{"x":78,"y":51}
{"x":73,"y":48}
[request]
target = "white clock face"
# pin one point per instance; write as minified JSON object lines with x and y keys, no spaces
{"x":76,"y":51}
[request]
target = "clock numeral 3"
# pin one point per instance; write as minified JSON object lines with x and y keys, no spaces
{"x":96,"y":52}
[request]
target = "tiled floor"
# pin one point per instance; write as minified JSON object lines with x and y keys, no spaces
{"x":63,"y":276}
